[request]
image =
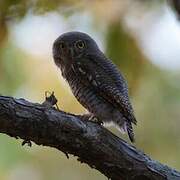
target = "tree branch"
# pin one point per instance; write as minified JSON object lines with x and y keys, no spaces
{"x":92,"y":143}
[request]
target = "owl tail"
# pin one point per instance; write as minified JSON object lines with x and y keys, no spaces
{"x":127,"y":128}
{"x":130,"y":131}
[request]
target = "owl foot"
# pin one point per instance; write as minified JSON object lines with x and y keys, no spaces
{"x":90,"y":117}
{"x":96,"y":120}
{"x":28,"y":142}
{"x":85,"y":117}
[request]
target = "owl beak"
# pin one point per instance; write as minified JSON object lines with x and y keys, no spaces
{"x":71,"y":52}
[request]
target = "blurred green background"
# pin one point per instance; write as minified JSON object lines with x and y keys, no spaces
{"x":141,"y":37}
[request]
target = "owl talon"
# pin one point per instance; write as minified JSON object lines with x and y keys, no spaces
{"x":85,"y":117}
{"x":96,"y":120}
{"x":99,"y":122}
{"x":28,"y":142}
{"x":89,"y":117}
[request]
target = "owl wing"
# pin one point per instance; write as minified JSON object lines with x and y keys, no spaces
{"x":107,"y":82}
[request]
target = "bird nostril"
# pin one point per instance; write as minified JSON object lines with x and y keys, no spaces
{"x":71,"y":52}
{"x":62,"y":45}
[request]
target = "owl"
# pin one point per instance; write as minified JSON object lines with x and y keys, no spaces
{"x":94,"y":80}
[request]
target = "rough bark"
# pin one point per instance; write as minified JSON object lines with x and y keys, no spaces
{"x":90,"y":142}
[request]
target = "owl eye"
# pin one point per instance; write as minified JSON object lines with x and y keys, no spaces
{"x":80,"y":44}
{"x":62,"y":45}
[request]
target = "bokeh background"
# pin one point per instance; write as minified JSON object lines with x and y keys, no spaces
{"x":141,"y":37}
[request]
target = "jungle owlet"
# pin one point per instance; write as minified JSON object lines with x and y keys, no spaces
{"x":94,"y":80}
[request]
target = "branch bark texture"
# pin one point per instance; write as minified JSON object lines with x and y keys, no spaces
{"x":90,"y":142}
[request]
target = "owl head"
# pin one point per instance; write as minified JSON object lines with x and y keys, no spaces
{"x":70,"y":46}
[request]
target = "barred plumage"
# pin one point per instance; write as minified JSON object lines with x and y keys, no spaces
{"x":95,"y":81}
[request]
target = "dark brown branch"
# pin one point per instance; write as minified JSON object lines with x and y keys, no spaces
{"x":92,"y":143}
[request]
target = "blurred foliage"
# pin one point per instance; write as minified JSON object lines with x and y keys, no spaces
{"x":18,"y":8}
{"x":155,"y":92}
{"x":12,"y":74}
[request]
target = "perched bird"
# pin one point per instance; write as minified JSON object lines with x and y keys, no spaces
{"x":94,"y":80}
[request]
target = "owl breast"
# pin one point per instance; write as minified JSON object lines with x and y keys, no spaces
{"x":88,"y":97}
